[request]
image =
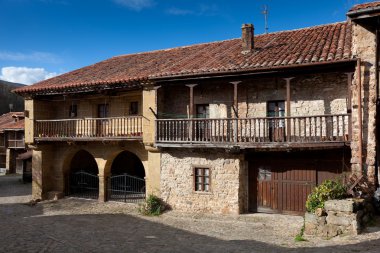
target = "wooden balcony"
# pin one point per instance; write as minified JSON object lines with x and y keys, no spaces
{"x":20,"y":143}
{"x":89,"y":129}
{"x":266,"y":132}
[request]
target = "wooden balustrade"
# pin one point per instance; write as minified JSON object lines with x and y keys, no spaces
{"x":20,"y":143}
{"x":300,"y":129}
{"x":89,"y":128}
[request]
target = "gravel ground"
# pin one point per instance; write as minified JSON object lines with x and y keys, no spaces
{"x":76,"y":225}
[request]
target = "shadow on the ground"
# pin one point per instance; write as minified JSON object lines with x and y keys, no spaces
{"x":27,"y":230}
{"x":12,"y":185}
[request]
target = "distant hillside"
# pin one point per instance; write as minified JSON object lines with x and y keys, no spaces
{"x":7,"y":97}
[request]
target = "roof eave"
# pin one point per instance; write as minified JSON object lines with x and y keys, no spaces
{"x":85,"y":88}
{"x":361,"y":13}
{"x":254,"y":70}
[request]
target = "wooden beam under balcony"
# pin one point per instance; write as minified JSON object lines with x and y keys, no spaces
{"x":89,"y":129}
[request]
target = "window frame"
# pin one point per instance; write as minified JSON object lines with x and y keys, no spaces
{"x":135,"y":103}
{"x":202,"y":184}
{"x":73,"y":113}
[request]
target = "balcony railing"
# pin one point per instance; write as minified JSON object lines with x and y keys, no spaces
{"x":89,"y":128}
{"x":256,"y":131}
{"x":20,"y":143}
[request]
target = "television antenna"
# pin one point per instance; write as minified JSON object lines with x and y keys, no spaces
{"x":265,"y":12}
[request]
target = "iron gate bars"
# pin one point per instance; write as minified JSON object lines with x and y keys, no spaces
{"x":126,"y":188}
{"x":83,"y":185}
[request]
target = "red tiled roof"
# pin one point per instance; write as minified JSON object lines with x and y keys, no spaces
{"x":365,"y":6}
{"x":7,"y":121}
{"x":19,"y":124}
{"x":319,"y":44}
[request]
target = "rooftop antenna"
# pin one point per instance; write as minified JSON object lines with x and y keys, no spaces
{"x":265,"y":12}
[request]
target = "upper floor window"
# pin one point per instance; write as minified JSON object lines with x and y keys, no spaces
{"x":103,"y":110}
{"x":73,"y":112}
{"x":134,"y":108}
{"x":276,"y":108}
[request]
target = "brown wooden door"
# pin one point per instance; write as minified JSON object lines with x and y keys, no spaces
{"x":276,"y":126}
{"x":202,"y":129}
{"x":102,"y":123}
{"x":280,"y":182}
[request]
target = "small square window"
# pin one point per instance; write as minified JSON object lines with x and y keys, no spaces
{"x":134,"y":108}
{"x":73,"y":112}
{"x":202,"y":179}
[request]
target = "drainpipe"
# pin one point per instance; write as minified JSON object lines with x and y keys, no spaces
{"x":377,"y":99}
{"x":359,"y":80}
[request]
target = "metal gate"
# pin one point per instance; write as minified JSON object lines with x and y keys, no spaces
{"x":126,"y":188}
{"x":82,"y":184}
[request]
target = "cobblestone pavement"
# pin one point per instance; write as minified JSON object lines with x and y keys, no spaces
{"x":73,"y":225}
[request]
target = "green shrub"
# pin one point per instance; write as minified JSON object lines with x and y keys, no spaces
{"x":153,"y":206}
{"x":329,"y":189}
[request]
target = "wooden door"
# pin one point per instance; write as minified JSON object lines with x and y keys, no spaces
{"x":276,"y":126}
{"x":265,"y":187}
{"x":281,"y":181}
{"x":202,"y":129}
{"x":102,"y":123}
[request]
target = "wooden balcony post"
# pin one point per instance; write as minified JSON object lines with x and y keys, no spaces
{"x":235,"y":107}
{"x":288,"y":112}
{"x":349,"y":104}
{"x":191,"y":109}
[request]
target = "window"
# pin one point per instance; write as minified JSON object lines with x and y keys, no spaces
{"x":276,"y":108}
{"x":203,"y":111}
{"x":202,"y":179}
{"x":73,"y":112}
{"x":134,"y":108}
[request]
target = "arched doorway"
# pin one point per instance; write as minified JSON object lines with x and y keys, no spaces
{"x":83,"y":180}
{"x":127,"y":179}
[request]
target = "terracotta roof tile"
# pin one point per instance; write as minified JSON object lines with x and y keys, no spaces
{"x":365,"y":6}
{"x":325,"y":43}
{"x":7,"y":121}
{"x":19,"y":124}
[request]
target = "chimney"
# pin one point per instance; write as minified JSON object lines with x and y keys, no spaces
{"x":247,"y":38}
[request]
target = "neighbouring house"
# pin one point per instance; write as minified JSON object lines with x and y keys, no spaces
{"x":14,"y":157}
{"x":234,"y":126}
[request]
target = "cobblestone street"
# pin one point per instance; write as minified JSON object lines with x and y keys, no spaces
{"x":73,"y":225}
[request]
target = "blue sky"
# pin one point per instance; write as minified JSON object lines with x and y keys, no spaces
{"x":43,"y":38}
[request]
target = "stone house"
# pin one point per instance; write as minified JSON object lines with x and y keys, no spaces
{"x":12,"y":145}
{"x":240,"y":125}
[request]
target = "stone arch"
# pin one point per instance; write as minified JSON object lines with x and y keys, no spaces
{"x":84,"y":161}
{"x":81,"y":170}
{"x":126,"y":178}
{"x":129,"y":163}
{"x":114,"y":155}
{"x":68,"y":156}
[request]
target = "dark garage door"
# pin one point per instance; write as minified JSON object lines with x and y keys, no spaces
{"x":281,"y":181}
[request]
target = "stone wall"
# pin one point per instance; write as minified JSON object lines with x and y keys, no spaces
{"x":227,"y":193}
{"x":88,"y":106}
{"x":339,"y":217}
{"x":313,"y":94}
{"x":364,"y":47}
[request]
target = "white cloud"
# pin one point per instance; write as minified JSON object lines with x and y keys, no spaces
{"x":34,"y":56}
{"x":136,"y":5}
{"x":200,"y":10}
{"x":25,"y":75}
{"x":179,"y":12}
